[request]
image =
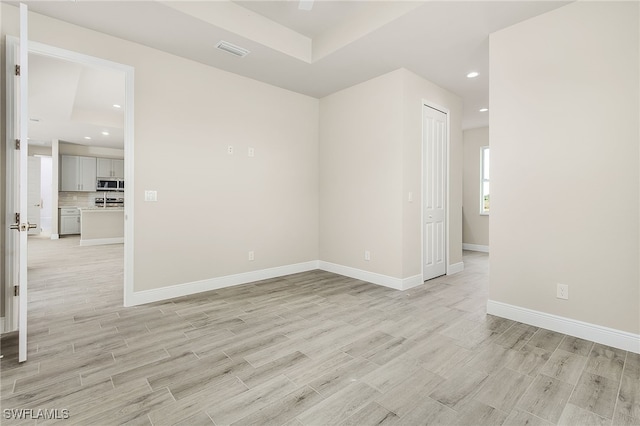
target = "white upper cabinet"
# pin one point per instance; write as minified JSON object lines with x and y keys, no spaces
{"x":77,"y":173}
{"x":110,"y":167}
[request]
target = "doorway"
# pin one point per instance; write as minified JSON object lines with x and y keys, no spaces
{"x":47,"y":51}
{"x":435,"y":160}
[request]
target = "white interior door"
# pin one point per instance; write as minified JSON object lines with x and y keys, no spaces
{"x":434,"y":152}
{"x":34,"y":194}
{"x":17,"y":205}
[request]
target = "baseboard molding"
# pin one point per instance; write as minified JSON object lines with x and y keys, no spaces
{"x":185,"y":289}
{"x":102,"y":241}
{"x":179,"y":290}
{"x":455,"y":268}
{"x":372,"y":277}
{"x":596,"y":333}
{"x":475,"y":247}
{"x":55,"y":236}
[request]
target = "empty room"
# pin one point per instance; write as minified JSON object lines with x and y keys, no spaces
{"x":320,"y":212}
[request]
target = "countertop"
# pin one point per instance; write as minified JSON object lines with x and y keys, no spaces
{"x":96,"y":208}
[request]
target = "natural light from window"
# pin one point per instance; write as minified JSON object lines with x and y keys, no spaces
{"x":484,"y":181}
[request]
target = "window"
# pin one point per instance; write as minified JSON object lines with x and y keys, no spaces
{"x":484,"y":180}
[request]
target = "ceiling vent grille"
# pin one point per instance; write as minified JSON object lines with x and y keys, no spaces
{"x":232,"y":48}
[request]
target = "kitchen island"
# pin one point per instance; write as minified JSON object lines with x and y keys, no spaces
{"x":101,"y":225}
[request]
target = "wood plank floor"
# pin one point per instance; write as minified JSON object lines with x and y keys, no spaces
{"x":306,"y":349}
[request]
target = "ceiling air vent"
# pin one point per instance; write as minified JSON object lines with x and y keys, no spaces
{"x":232,"y":48}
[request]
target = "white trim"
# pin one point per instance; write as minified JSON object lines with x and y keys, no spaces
{"x":55,"y":236}
{"x":596,"y":333}
{"x":178,"y":290}
{"x":102,"y":241}
{"x":411,"y":282}
{"x":371,"y":277}
{"x":475,"y":247}
{"x":455,"y":268}
{"x":185,"y":289}
{"x":11,"y":207}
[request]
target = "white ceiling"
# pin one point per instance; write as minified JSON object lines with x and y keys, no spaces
{"x":335,"y":45}
{"x":71,"y":102}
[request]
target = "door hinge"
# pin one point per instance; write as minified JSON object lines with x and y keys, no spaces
{"x":17,"y":216}
{"x":16,"y":290}
{"x":18,"y":144}
{"x":18,"y":70}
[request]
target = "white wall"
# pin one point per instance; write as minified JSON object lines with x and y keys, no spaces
{"x":475,"y":226}
{"x":565,"y":164}
{"x":370,"y":159}
{"x":212,"y":208}
{"x":90,"y":151}
{"x":361,"y":131}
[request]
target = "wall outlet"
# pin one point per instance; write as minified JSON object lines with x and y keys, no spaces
{"x":367,"y":255}
{"x":251,"y":152}
{"x":230,"y":149}
{"x":562,"y":292}
{"x":252,"y":255}
{"x":150,"y":195}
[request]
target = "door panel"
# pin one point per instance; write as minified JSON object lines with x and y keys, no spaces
{"x":434,"y":194}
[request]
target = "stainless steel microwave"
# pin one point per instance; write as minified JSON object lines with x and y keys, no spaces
{"x":110,"y":185}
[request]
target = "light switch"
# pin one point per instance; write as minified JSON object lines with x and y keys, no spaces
{"x":150,"y":195}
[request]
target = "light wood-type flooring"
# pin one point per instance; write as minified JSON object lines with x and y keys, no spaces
{"x":307,"y":349}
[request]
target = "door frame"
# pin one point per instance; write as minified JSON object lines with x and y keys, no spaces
{"x":12,"y":44}
{"x":446,"y":112}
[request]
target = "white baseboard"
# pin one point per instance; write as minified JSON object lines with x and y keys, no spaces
{"x":372,"y":277}
{"x":596,"y":333}
{"x":178,"y":290}
{"x":475,"y":247}
{"x":455,"y":268}
{"x":102,"y":241}
{"x":55,"y":236}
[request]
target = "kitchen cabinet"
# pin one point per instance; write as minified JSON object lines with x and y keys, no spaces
{"x":77,"y":173}
{"x":110,"y":167}
{"x":69,"y":221}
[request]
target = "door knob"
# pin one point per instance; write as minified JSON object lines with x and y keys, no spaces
{"x":23,"y":226}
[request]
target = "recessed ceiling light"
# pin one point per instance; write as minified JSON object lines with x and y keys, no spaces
{"x":116,"y":106}
{"x":483,"y":109}
{"x":473,"y":74}
{"x":87,"y":137}
{"x":232,"y":48}
{"x":105,"y":133}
